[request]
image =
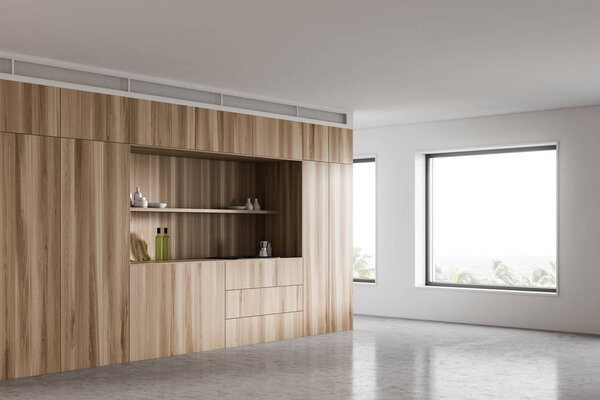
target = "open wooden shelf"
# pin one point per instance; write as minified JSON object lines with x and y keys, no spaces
{"x":201,"y":211}
{"x":193,"y":260}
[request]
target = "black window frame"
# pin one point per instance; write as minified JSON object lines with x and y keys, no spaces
{"x":364,"y":280}
{"x":428,"y":217}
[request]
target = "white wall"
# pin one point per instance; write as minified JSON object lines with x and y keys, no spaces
{"x":577,"y":306}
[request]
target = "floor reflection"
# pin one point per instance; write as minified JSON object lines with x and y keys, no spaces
{"x":381,"y":359}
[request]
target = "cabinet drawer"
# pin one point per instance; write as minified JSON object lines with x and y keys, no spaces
{"x":249,"y":274}
{"x":262,"y":329}
{"x":273,"y":300}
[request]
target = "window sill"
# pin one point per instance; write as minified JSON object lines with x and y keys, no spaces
{"x":486,"y":290}
{"x":365,"y":283}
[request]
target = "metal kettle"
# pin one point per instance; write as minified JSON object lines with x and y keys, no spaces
{"x":263,"y":246}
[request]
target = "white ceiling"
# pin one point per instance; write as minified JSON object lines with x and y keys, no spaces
{"x":390,"y":61}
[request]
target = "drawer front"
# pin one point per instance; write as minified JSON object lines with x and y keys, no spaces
{"x":262,"y":329}
{"x":273,"y":300}
{"x":250,"y":274}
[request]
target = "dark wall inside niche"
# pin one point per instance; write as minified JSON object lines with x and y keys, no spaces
{"x":201,"y":235}
{"x":184,"y":182}
{"x":279,"y":185}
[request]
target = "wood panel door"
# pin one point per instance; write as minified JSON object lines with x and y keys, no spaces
{"x":315,"y":142}
{"x":176,"y":308}
{"x":277,"y":138}
{"x":28,"y":108}
{"x":340,"y":248}
{"x":95,"y":253}
{"x":94,"y":116}
{"x":340,"y":145}
{"x":315,"y":245}
{"x":29,"y":255}
{"x":209,"y":129}
{"x":159,"y":124}
{"x":237,"y":133}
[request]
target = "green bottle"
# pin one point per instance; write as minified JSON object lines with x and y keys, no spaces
{"x":158,"y":246}
{"x":166,"y":254}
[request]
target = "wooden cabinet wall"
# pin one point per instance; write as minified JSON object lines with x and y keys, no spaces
{"x":28,"y":108}
{"x":277,"y":138}
{"x":94,"y":116}
{"x":340,"y":145}
{"x":159,"y":124}
{"x":69,"y":297}
{"x":176,"y":308}
{"x":50,"y":111}
{"x":29,"y":256}
{"x":95,"y":253}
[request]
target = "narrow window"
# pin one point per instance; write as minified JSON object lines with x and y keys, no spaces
{"x":364,"y":220}
{"x":492,"y":218}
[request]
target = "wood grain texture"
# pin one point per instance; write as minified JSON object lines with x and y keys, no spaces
{"x":151,"y":321}
{"x":30,"y":256}
{"x":340,"y":145}
{"x":194,"y":236}
{"x":259,"y":273}
{"x":176,"y":309}
{"x":94,"y":116}
{"x":4,"y":207}
{"x":340,"y":248}
{"x":209,"y":129}
{"x":263,"y":301}
{"x":237,"y":133}
{"x":277,"y":138}
{"x":263,"y":329}
{"x":162,"y":124}
{"x":196,"y":183}
{"x":28,"y":108}
{"x":95,"y":247}
{"x":315,"y":246}
{"x":192,"y":183}
{"x":279,"y":187}
{"x":315,"y":142}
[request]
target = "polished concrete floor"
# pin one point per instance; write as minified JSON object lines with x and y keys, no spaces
{"x":381,"y":359}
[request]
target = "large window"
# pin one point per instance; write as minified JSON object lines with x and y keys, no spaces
{"x":364,"y":220}
{"x":491,"y":219}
